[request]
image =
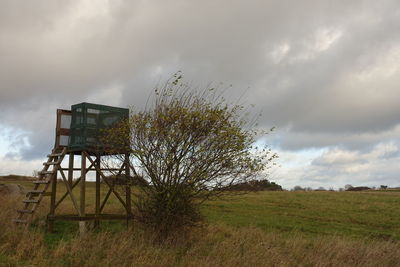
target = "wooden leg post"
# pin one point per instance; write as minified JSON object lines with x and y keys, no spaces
{"x":97,"y":208}
{"x":71,"y":168}
{"x":50,"y":223}
{"x":82,"y":224}
{"x":128,"y":190}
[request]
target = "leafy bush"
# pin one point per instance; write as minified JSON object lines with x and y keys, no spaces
{"x":186,"y":145}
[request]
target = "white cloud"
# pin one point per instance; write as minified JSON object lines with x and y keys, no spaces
{"x":336,"y":167}
{"x":325,"y":38}
{"x":19,"y":166}
{"x":308,"y":47}
{"x":337,"y":156}
{"x":279,"y":52}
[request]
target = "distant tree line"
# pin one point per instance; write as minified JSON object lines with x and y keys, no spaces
{"x":347,"y":187}
{"x":254,"y":185}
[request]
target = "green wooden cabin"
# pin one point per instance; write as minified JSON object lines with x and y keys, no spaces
{"x":86,"y":122}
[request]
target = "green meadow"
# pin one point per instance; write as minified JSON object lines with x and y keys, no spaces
{"x":354,"y":214}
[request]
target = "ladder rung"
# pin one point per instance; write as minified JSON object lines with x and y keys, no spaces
{"x":41,"y":182}
{"x":25,"y":211}
{"x":39,"y":194}
{"x":51,"y":163}
{"x":35,"y":191}
{"x":54,"y":155}
{"x":30,"y":201}
{"x":46,"y":172}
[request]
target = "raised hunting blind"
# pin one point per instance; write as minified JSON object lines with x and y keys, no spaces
{"x":87,"y":121}
{"x":78,"y":132}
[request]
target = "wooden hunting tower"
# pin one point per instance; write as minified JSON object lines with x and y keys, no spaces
{"x":77,"y":134}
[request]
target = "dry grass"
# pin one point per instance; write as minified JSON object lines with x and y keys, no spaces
{"x":210,"y":245}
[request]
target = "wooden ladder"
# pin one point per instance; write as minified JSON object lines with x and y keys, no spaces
{"x":40,"y":186}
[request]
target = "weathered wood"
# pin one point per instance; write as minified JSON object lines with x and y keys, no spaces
{"x":46,"y":172}
{"x":48,"y":177}
{"x":64,"y":131}
{"x":91,"y":169}
{"x":54,"y":155}
{"x":69,"y":190}
{"x":30,"y":201}
{"x":105,"y":199}
{"x":51,"y":163}
{"x":66,"y":193}
{"x":97,"y":204}
{"x":35,"y":191}
{"x":35,"y":195}
{"x":82,"y":224}
{"x":25,"y":211}
{"x":52,"y":200}
{"x":41,"y":182}
{"x":61,"y":131}
{"x":70,"y":168}
{"x":128,"y":190}
{"x":89,"y":217}
{"x":105,"y":181}
{"x":72,"y":187}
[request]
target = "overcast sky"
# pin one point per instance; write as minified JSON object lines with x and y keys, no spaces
{"x":325,"y":73}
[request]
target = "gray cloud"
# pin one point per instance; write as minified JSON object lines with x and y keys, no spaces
{"x":296,"y":140}
{"x":326,"y":74}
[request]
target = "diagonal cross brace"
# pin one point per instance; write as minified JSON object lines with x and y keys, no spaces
{"x":71,"y":187}
{"x":108,"y":184}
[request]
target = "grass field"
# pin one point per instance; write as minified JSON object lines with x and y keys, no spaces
{"x":353,"y":214}
{"x":263,"y":229}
